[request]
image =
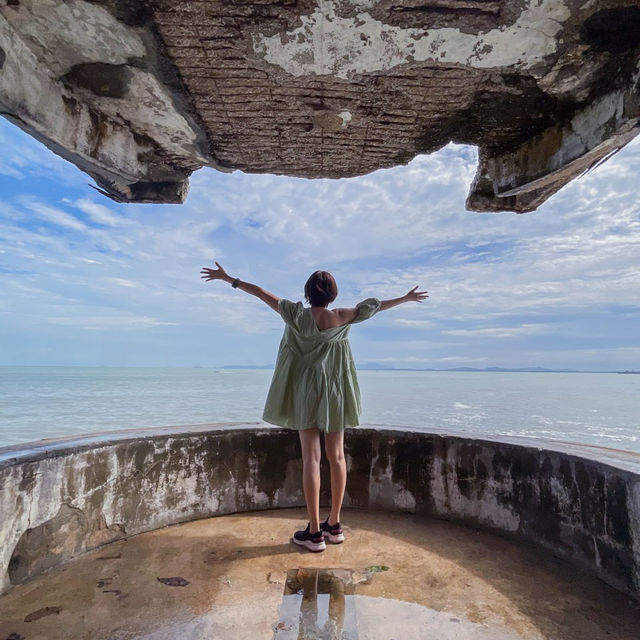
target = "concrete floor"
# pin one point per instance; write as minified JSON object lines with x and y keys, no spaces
{"x":395,"y":577}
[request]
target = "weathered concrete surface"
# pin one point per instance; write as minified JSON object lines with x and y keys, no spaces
{"x":90,"y":83}
{"x":582,"y":503}
{"x":139,"y":93}
{"x":242,"y":578}
{"x":64,"y":536}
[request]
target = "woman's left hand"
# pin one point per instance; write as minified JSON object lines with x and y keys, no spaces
{"x":416,"y":296}
{"x":214,"y":274}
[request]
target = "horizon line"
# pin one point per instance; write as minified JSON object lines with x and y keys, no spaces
{"x":368,"y":366}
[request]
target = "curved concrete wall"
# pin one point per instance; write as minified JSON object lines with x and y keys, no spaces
{"x":59,"y":498}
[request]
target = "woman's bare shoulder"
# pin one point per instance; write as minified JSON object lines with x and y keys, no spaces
{"x":327,"y":318}
{"x":345,"y":314}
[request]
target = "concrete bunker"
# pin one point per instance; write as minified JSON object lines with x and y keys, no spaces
{"x":140,"y":93}
{"x":60,"y":498}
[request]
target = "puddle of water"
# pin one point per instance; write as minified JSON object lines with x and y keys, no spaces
{"x":321,"y":604}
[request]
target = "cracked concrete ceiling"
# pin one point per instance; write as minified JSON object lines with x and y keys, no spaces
{"x":140,"y":93}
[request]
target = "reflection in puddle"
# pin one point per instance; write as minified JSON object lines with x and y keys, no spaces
{"x":319,"y":604}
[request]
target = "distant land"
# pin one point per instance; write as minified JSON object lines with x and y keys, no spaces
{"x":376,"y":366}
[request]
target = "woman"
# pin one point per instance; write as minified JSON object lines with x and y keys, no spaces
{"x":315,"y":387}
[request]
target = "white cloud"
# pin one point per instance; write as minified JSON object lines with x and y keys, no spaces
{"x":108,"y":322}
{"x":51,"y":214}
{"x":99,"y":213}
{"x":418,"y":324}
{"x":121,"y":282}
{"x":501,"y":332}
{"x":355,"y":218}
{"x":458,"y":359}
{"x":489,"y":276}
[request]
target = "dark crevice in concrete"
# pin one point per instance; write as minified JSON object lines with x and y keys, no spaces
{"x":137,"y":63}
{"x":470,"y":16}
{"x":102,"y":79}
{"x":166,"y":191}
{"x":131,"y":12}
{"x":614,"y":30}
{"x":509,"y":98}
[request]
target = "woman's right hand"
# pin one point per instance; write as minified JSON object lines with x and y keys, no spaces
{"x":416,"y":296}
{"x":214,"y":274}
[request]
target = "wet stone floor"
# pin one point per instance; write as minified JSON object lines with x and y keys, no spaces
{"x":396,"y":577}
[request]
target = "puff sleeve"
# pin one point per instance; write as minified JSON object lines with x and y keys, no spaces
{"x":290,"y":311}
{"x":366,"y":309}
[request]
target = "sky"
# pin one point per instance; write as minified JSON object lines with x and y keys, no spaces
{"x":88,"y":282}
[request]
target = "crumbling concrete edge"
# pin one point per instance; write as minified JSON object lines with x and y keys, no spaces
{"x":131,"y":132}
{"x":521,"y":179}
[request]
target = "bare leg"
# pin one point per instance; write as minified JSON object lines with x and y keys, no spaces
{"x":334,"y":446}
{"x":336,"y":607}
{"x":309,"y":606}
{"x":310,"y":443}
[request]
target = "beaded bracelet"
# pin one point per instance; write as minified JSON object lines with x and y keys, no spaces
{"x":235,"y":283}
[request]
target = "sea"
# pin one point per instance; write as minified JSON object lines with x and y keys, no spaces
{"x":592,"y":408}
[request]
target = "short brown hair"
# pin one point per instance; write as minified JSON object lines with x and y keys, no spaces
{"x":321,"y":289}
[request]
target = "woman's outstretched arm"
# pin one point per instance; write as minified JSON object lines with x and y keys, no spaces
{"x":253,"y":289}
{"x":412,"y":296}
{"x":348,"y":315}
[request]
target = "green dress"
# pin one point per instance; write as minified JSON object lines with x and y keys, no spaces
{"x":314,"y":382}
